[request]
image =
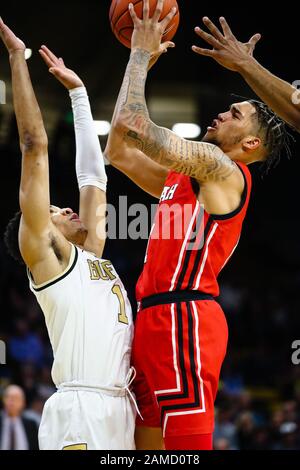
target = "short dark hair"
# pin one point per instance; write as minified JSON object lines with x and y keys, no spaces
{"x":11,"y":237}
{"x":276,"y":138}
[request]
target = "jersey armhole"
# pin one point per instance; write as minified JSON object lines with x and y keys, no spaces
{"x":69,"y":268}
{"x":239,"y":209}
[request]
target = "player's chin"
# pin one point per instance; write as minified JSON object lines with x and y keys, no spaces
{"x":211,"y":137}
{"x":78,"y":236}
{"x":206,"y":137}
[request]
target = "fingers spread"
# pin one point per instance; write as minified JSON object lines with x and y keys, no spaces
{"x":206,"y":52}
{"x":133,"y":14}
{"x":165,"y":22}
{"x":208,"y":38}
{"x":213,"y":29}
{"x":225,"y":26}
{"x":254,"y":40}
{"x":146,"y":9}
{"x":158,"y":10}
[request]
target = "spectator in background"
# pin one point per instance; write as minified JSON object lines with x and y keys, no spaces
{"x":222,"y":444}
{"x":16,"y":431}
{"x":225,"y":430}
{"x":245,"y":430}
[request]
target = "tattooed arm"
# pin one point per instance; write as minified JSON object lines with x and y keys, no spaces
{"x":202,"y":161}
{"x":130,"y":160}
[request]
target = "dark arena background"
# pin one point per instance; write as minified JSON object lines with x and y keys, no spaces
{"x":258,"y":404}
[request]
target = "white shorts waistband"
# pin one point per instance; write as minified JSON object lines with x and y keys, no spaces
{"x":80,"y":387}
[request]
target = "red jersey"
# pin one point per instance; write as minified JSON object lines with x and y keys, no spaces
{"x":188,"y":247}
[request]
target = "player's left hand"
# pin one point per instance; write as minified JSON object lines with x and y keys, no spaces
{"x":148,"y":32}
{"x":227,"y":50}
{"x":10,"y":40}
{"x":57,"y":67}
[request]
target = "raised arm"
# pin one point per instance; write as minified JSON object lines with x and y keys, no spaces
{"x":200,"y":160}
{"x":130,"y":160}
{"x":34,"y":186}
{"x":232,"y":54}
{"x":90,"y":167}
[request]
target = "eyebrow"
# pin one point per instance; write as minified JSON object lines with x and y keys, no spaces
{"x":236,"y":110}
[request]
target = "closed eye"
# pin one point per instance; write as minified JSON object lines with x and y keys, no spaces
{"x":236,"y":113}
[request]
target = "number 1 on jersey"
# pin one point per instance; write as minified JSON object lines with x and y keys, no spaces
{"x":122,"y":313}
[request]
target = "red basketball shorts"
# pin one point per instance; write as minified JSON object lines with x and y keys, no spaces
{"x":178,"y":351}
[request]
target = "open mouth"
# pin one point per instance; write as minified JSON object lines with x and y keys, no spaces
{"x":214,"y":125}
{"x":75,"y":217}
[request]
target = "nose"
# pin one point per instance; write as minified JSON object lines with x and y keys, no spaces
{"x":221,"y":117}
{"x":67,"y":211}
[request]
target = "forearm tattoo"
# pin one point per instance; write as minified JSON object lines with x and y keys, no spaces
{"x":201,"y":161}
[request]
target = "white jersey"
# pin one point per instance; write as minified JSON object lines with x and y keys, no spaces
{"x":89,"y":321}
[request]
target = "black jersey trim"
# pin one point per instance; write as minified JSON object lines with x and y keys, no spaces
{"x":232,"y":214}
{"x":190,"y":249}
{"x":51,"y":283}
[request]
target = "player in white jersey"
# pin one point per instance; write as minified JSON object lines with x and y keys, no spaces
{"x":86,"y":308}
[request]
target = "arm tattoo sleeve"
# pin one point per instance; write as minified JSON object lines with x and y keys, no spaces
{"x":199,"y":160}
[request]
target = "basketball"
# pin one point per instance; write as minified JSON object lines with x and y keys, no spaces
{"x":122,"y":25}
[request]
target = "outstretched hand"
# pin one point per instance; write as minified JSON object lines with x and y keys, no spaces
{"x":10,"y":40}
{"x":227,"y":50}
{"x":148,"y":32}
{"x":57,"y":67}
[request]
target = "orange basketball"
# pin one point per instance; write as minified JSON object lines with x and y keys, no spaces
{"x":121,"y":22}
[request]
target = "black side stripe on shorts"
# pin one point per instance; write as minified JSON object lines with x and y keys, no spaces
{"x":191,"y":247}
{"x":185,"y":391}
{"x":195,"y":379}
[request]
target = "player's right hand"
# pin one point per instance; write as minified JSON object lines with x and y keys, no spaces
{"x":148,"y":32}
{"x":12,"y":43}
{"x":57,"y":67}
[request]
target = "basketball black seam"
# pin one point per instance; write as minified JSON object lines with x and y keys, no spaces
{"x":131,"y":28}
{"x":119,"y":32}
{"x":125,"y":12}
{"x":111,"y":13}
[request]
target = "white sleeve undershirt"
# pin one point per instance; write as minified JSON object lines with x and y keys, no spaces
{"x":90,"y":168}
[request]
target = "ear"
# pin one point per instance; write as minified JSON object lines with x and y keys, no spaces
{"x":251,"y":143}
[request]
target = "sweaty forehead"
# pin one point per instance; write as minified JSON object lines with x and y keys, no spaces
{"x":246,"y":107}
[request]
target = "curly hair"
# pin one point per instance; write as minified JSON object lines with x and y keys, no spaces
{"x":11,"y":237}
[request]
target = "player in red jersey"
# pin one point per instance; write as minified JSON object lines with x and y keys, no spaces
{"x":181,"y":331}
